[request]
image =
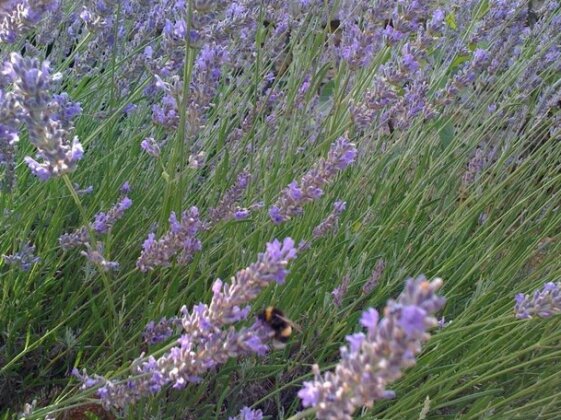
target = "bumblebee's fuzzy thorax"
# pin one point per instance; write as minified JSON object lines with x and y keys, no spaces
{"x":274,"y":317}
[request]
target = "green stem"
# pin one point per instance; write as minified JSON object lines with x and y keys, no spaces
{"x":174,"y":186}
{"x":104,"y":278}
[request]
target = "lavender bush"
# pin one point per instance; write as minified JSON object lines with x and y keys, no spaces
{"x":384,"y":137}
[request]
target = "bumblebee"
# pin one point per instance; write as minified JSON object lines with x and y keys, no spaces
{"x":282,"y":326}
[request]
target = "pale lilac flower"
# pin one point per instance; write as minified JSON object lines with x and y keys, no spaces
{"x":150,"y":146}
{"x":181,"y":241}
{"x":247,"y":413}
{"x":474,"y":167}
{"x":23,"y":259}
{"x":125,"y":188}
{"x":341,"y":154}
{"x":20,"y":16}
{"x":544,"y":303}
{"x":375,"y":359}
{"x":83,"y":191}
{"x":8,"y":140}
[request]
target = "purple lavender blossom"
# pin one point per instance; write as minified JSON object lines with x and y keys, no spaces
{"x":103,"y":222}
{"x":208,"y":338}
{"x":247,"y":413}
{"x":46,"y":116}
{"x":331,"y":222}
{"x":23,"y":259}
{"x":474,"y":167}
{"x":374,"y":278}
{"x":544,"y":303}
{"x":155,"y":333}
{"x":125,"y":188}
{"x":8,"y":139}
{"x":180,"y":240}
{"x":150,"y":146}
{"x":341,"y":154}
{"x":340,"y":291}
{"x":227,"y":207}
{"x":83,"y":191}
{"x":19,"y":16}
{"x":373,"y":360}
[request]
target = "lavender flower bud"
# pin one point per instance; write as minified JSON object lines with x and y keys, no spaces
{"x":373,"y":360}
{"x":373,"y":280}
{"x":341,"y":154}
{"x":103,"y":222}
{"x":542,"y":304}
{"x":331,"y":222}
{"x":17,"y":17}
{"x":180,"y":240}
{"x":150,"y":146}
{"x":227,"y":207}
{"x":340,"y":291}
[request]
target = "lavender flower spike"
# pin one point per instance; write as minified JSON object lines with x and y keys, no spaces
{"x":47,"y":116}
{"x":341,"y":154}
{"x":208,"y":340}
{"x":180,"y":240}
{"x":24,"y":259}
{"x":331,"y":222}
{"x":156,"y":333}
{"x":373,"y":360}
{"x":102,"y":223}
{"x":227,"y":207}
{"x":543,"y":304}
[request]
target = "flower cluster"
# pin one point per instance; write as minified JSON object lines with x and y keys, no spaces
{"x":331,"y":222}
{"x":373,"y":360}
{"x":341,"y":154}
{"x":247,"y":413}
{"x":155,"y":333}
{"x":228,"y":207}
{"x":340,"y":291}
{"x":374,"y":278}
{"x":19,"y":16}
{"x":542,"y":304}
{"x":23,"y":259}
{"x":103,"y":222}
{"x":47,"y":116}
{"x":8,"y":138}
{"x":180,"y":240}
{"x":208,"y":339}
